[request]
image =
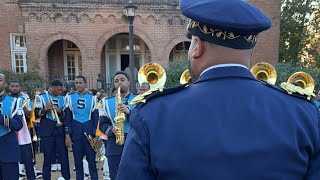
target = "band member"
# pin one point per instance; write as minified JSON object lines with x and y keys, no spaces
{"x":24,"y":137}
{"x":108,"y":125}
{"x":144,"y":87}
{"x":10,"y":121}
{"x":226,"y":124}
{"x":81,"y":122}
{"x":49,"y":106}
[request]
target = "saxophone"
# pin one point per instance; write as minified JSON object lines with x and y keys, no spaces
{"x":119,"y":121}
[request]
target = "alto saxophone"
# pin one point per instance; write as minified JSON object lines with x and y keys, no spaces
{"x":119,"y":121}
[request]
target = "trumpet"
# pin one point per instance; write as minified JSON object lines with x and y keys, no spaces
{"x":96,"y":147}
{"x":54,"y":113}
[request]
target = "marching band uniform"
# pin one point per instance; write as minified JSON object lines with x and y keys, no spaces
{"x":82,"y":117}
{"x":10,"y":121}
{"x":243,"y":128}
{"x":107,"y":115}
{"x":52,"y":136}
{"x":24,"y":139}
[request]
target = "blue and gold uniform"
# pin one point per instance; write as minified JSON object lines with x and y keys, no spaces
{"x":107,"y":114}
{"x":10,"y":121}
{"x":82,"y":117}
{"x":52,"y":136}
{"x":226,"y":125}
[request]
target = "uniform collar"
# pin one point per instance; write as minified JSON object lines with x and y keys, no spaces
{"x":15,"y":95}
{"x":218,"y":72}
{"x":84,"y":92}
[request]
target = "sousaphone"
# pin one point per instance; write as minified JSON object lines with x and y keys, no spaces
{"x":185,"y":77}
{"x":152,"y":73}
{"x":303,"y":80}
{"x":264,"y":71}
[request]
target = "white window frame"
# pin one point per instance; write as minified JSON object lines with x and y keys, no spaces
{"x":14,"y":50}
{"x":70,"y":51}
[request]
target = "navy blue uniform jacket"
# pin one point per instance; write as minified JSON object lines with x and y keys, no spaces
{"x":9,"y":147}
{"x":225,"y":126}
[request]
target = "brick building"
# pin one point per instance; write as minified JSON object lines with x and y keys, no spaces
{"x":71,"y":37}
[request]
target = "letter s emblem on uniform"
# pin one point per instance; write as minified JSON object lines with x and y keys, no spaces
{"x":81,"y":103}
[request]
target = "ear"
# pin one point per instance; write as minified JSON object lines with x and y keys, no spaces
{"x":198,"y":47}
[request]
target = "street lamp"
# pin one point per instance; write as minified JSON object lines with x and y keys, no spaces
{"x":99,"y":82}
{"x":130,"y":11}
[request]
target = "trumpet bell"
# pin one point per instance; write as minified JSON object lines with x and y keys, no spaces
{"x":302,"y":79}
{"x":185,"y":77}
{"x":152,"y":73}
{"x":264,"y":71}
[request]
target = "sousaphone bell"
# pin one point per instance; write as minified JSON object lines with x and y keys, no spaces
{"x":303,"y":80}
{"x":264,"y":71}
{"x":152,"y":73}
{"x":185,"y":77}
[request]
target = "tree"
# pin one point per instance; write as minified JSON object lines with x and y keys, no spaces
{"x":296,"y":17}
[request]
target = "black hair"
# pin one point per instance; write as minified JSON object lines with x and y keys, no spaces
{"x":123,"y":73}
{"x":56,"y":82}
{"x":94,"y":92}
{"x":82,"y":77}
{"x":15,"y":81}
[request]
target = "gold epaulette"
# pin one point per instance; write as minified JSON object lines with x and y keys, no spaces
{"x":290,"y":88}
{"x":141,"y":98}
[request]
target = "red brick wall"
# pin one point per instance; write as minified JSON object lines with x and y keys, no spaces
{"x":10,"y":19}
{"x":161,"y":28}
{"x":267,"y":48}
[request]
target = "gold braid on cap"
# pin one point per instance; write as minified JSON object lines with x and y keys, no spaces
{"x":220,"y":33}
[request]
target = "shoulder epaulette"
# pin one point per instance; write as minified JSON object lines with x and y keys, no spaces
{"x":152,"y":93}
{"x":291,"y":90}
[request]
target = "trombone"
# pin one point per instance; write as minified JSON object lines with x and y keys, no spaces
{"x":54,"y":113}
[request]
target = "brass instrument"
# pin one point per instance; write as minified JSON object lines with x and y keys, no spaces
{"x":96,"y":147}
{"x":302,"y":79}
{"x":54,"y":113}
{"x":152,"y":73}
{"x":119,"y":121}
{"x":264,"y":71}
{"x":185,"y":77}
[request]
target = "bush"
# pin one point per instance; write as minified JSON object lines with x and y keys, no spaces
{"x":29,"y":81}
{"x":174,"y":71}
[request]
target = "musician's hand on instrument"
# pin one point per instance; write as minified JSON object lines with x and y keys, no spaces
{"x":68,"y":141}
{"x":123,"y":108}
{"x":58,"y":110}
{"x":49,"y":106}
{"x":114,"y":130}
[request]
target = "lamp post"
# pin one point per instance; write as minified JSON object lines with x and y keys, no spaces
{"x":130,"y":11}
{"x":99,"y":82}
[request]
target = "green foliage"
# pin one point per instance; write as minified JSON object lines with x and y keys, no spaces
{"x":285,"y":70}
{"x":29,"y":81}
{"x":174,"y":71}
{"x":296,"y":17}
